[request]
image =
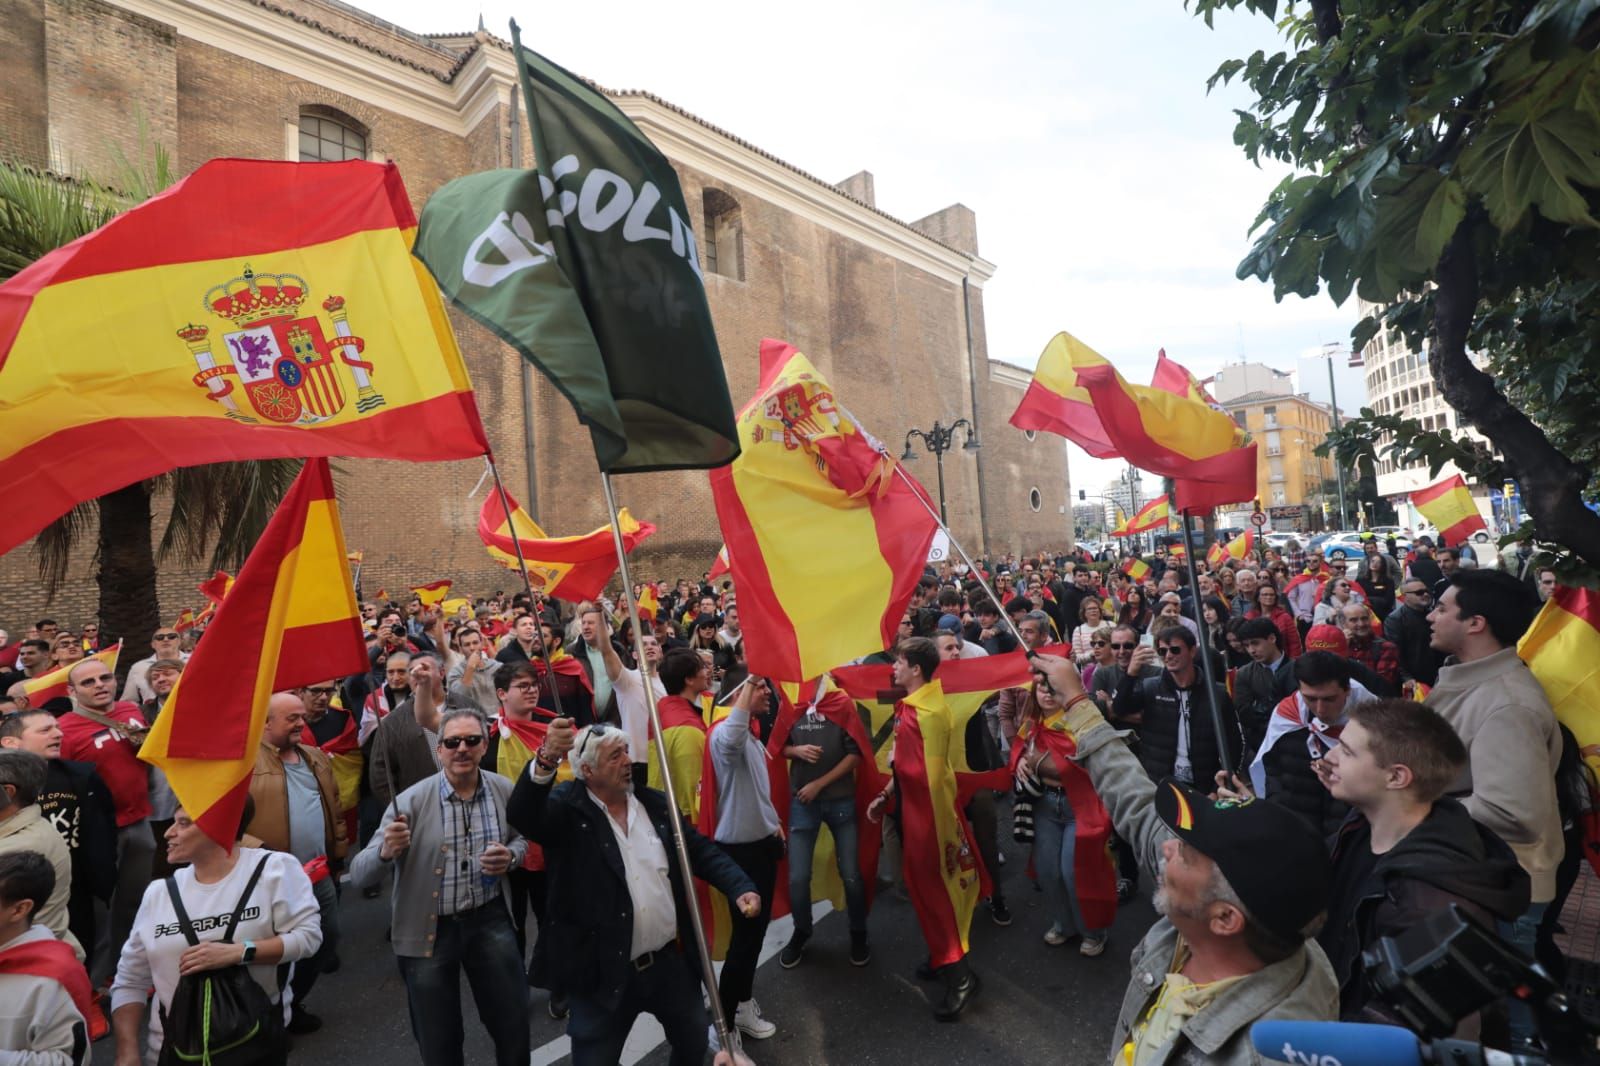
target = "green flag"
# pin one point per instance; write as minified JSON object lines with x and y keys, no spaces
{"x":587,"y":265}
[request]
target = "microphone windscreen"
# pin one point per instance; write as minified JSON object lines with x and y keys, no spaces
{"x":1336,"y":1043}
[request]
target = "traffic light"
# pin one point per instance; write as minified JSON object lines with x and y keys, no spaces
{"x":1082,"y":495}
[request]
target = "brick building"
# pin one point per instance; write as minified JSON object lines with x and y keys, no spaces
{"x":891,"y":310}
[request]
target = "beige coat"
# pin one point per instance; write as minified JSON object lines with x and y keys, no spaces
{"x":28,"y":831}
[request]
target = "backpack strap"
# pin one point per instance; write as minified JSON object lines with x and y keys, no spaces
{"x":238,"y":911}
{"x":183,"y":915}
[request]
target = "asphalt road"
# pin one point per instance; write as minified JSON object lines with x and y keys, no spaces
{"x":1037,"y":1004}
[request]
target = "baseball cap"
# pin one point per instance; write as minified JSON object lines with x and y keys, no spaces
{"x":1327,"y":638}
{"x":1274,"y":859}
{"x":950,"y":624}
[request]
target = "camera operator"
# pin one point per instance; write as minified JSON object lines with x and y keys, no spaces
{"x":1243,"y":889}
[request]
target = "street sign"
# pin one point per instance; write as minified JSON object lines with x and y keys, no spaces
{"x":1258,"y":519}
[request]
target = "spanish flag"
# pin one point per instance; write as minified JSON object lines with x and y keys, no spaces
{"x":1136,"y":568}
{"x":1562,"y":648}
{"x":215,"y":587}
{"x":1450,"y":508}
{"x":254,"y":310}
{"x":1153,"y":515}
{"x":433,"y":593}
{"x":826,"y":542}
{"x":649,"y":602}
{"x":1057,"y":402}
{"x":1172,"y":377}
{"x":571,"y":568}
{"x":46,"y":687}
{"x":1238,"y":548}
{"x":720,"y":565}
{"x":290,"y":620}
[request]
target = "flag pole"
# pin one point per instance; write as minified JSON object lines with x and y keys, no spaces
{"x":535,"y":600}
{"x":972,"y":568}
{"x":728,"y":1035}
{"x":1207,"y":668}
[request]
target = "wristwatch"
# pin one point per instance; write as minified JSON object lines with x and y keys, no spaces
{"x":249,"y":953}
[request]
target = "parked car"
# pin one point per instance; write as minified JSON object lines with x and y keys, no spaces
{"x":1347,"y":545}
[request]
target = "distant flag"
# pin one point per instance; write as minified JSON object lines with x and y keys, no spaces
{"x":1236,"y":549}
{"x":1136,"y":568}
{"x":572,"y":568}
{"x":215,"y":587}
{"x":451,"y":606}
{"x":1449,"y":507}
{"x":290,"y":620}
{"x":1177,"y":551}
{"x":356,"y":556}
{"x":649,"y":602}
{"x":1153,"y":515}
{"x":49,"y":686}
{"x":826,"y":542}
{"x":720,"y":565}
{"x":383,"y":594}
{"x":433,"y":593}
{"x":588,"y":266}
{"x":289,"y":320}
{"x":186,"y":620}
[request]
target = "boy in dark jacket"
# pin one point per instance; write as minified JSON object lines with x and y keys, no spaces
{"x":1405,"y":852}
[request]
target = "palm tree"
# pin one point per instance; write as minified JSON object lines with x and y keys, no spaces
{"x":217,"y":511}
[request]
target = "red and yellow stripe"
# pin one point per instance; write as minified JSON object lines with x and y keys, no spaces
{"x":121,"y":336}
{"x":46,"y":687}
{"x":1450,"y":508}
{"x":573,"y":568}
{"x":1057,"y":402}
{"x":1562,"y":648}
{"x":1153,"y":515}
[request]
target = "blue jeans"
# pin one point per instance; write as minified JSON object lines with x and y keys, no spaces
{"x":483,"y":943}
{"x":667,"y":989}
{"x":1523,"y":934}
{"x":805,"y":819}
{"x":1054,"y":848}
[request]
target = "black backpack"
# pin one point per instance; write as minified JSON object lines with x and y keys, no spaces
{"x":222,"y":1017}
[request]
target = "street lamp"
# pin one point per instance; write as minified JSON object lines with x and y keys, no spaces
{"x":1330,"y":350}
{"x":939,"y":440}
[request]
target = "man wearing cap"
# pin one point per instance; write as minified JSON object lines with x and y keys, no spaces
{"x":1243,"y":888}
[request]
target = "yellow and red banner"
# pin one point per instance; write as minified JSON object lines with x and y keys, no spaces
{"x":254,"y":310}
{"x":571,"y":568}
{"x":1562,"y":648}
{"x":1173,"y":377}
{"x":290,"y":620}
{"x":215,"y":587}
{"x":433,"y":594}
{"x":1153,"y":515}
{"x":1236,"y":549}
{"x":1057,"y":402}
{"x":1449,"y":507}
{"x":649,"y":602}
{"x":720,"y":565}
{"x":1136,"y":568}
{"x":826,"y":537}
{"x":52,"y":685}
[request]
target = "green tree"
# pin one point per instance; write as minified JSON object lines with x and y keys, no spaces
{"x":217,"y":511}
{"x":1446,"y":161}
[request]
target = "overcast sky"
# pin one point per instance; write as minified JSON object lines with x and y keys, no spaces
{"x":1106,"y":183}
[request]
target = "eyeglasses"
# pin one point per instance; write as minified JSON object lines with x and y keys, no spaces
{"x":165,"y":636}
{"x":330,"y":690}
{"x":1125,"y":647}
{"x":1170,"y":650}
{"x":472,"y":740}
{"x":1098,"y":644}
{"x":523,"y":686}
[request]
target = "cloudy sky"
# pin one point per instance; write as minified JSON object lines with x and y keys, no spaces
{"x":1106,"y":183}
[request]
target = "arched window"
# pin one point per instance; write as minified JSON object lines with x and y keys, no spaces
{"x":325,"y":139}
{"x":1035,"y":499}
{"x":723,"y":239}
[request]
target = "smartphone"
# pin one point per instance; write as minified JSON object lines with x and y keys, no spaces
{"x":1148,"y":640}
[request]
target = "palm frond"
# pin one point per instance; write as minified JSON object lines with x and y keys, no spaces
{"x":40,"y":212}
{"x":225,"y":506}
{"x":58,"y":541}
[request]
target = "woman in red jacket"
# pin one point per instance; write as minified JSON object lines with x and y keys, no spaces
{"x":1268,"y":605}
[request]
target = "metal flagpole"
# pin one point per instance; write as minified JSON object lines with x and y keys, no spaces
{"x":1207,"y":669}
{"x":972,"y":567}
{"x":728,"y":1035}
{"x":535,"y":600}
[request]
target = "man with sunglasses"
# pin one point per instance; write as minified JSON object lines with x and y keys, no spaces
{"x":1407,"y":626}
{"x":1176,"y":736}
{"x":167,"y":643}
{"x":450,"y":846}
{"x":1124,"y":642}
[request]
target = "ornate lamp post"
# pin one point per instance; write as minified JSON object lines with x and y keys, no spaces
{"x":938,"y":440}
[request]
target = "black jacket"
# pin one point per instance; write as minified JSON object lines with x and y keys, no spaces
{"x":1292,"y":783}
{"x":580,"y":651}
{"x":1448,"y":858}
{"x":1257,"y":691}
{"x":1155,"y":699}
{"x":1413,"y":636}
{"x":585,"y":943}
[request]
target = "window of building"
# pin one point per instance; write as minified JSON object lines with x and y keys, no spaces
{"x":330,"y":140}
{"x":723,"y":239}
{"x":1035,"y":499}
{"x":1271,"y":414}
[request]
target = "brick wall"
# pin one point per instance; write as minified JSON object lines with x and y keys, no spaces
{"x":24,"y":111}
{"x":104,"y":67}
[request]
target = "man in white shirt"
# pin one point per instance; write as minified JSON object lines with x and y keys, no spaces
{"x":633,"y":702}
{"x":167,"y":643}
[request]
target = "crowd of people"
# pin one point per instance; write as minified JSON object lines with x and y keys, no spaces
{"x":1369,"y":750}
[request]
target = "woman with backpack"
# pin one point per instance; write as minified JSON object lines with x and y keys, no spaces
{"x":215,"y":941}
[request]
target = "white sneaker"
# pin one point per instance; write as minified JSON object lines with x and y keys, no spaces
{"x":749,"y":1021}
{"x":1055,"y":936}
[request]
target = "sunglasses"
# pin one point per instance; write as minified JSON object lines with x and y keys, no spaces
{"x":1101,"y":644}
{"x":165,"y":636}
{"x":1125,"y":647}
{"x":472,"y":740}
{"x":1174,"y":649}
{"x":1418,"y":592}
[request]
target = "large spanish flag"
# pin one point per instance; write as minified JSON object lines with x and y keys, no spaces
{"x":1562,"y":648}
{"x":1057,"y":402}
{"x":571,"y":568}
{"x":254,"y":310}
{"x":826,"y":542}
{"x":46,"y":687}
{"x":1450,"y":508}
{"x":290,"y":620}
{"x":1171,"y":376}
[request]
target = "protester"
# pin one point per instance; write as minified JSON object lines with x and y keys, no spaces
{"x":1035,"y":630}
{"x":1408,"y":627}
{"x":167,"y":644}
{"x":333,"y":731}
{"x":404,"y":748}
{"x":1135,"y":611}
{"x":983,"y":755}
{"x":45,"y":999}
{"x":471,"y":677}
{"x":1177,"y":737}
{"x":23,"y":829}
{"x":1377,"y":582}
{"x":684,"y":677}
{"x":619,"y":943}
{"x":277,"y":924}
{"x":451,"y":914}
{"x":590,"y":649}
{"x":1268,"y":605}
{"x":1090,"y":618}
{"x":1370,"y":652}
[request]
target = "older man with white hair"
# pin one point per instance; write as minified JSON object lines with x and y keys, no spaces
{"x":618,"y":943}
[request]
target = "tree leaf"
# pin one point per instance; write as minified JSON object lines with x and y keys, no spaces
{"x":1440,"y":218}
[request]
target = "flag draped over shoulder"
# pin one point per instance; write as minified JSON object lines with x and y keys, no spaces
{"x":254,"y":310}
{"x":572,"y":568}
{"x":1449,"y":506}
{"x":825,"y":542}
{"x":290,"y":620}
{"x":588,"y":267}
{"x":48,"y":686}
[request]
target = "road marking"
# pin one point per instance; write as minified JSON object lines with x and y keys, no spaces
{"x":647,"y":1034}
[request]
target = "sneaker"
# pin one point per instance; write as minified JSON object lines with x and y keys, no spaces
{"x":860,"y":950}
{"x":1125,"y":889}
{"x":789,"y":957}
{"x":1093,"y":945}
{"x":302,"y":1021}
{"x":750,"y":1022}
{"x":557,"y":1007}
{"x":999,"y":911}
{"x":1054,"y":936}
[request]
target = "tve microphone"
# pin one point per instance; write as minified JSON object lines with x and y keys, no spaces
{"x":1360,"y":1044}
{"x":1336,"y":1044}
